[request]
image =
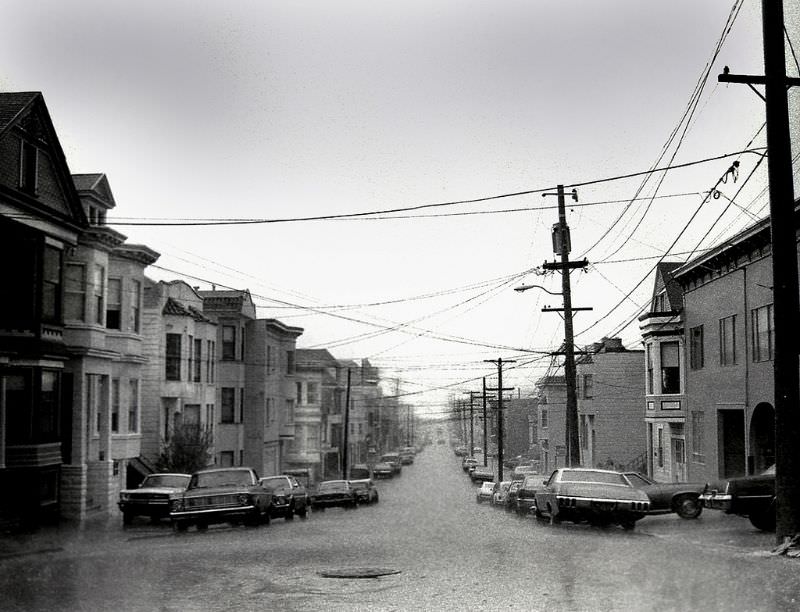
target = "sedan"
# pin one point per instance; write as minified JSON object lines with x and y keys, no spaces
{"x":750,"y":496}
{"x":600,"y":497}
{"x":481,"y":474}
{"x":682,"y":498}
{"x":366,"y":493}
{"x":500,"y":494}
{"x":382,"y":470}
{"x":334,"y":493}
{"x":151,"y":498}
{"x":486,"y":492}
{"x":221,"y":495}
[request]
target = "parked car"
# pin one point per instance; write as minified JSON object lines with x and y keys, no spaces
{"x":500,"y":493}
{"x":366,"y":493}
{"x":481,"y":473}
{"x":600,"y":497}
{"x":525,"y":469}
{"x":360,"y":471}
{"x":468,"y":462}
{"x":406,"y":457}
{"x":750,"y":496}
{"x":220,"y":495}
{"x":382,"y":470}
{"x":485,"y":492}
{"x":461,"y":451}
{"x":526,"y":494}
{"x":334,"y":493}
{"x":393,"y":459}
{"x":151,"y":498}
{"x":682,"y":498}
{"x":289,"y":497}
{"x":511,"y":496}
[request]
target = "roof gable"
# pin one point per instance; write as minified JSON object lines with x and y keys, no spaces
{"x":25,"y":122}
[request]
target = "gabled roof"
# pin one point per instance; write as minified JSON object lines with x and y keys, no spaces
{"x":666,"y":280}
{"x":314,"y":357}
{"x":96,"y":187}
{"x":27,"y":112}
{"x":174,"y":307}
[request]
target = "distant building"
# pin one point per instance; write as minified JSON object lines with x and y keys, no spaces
{"x":610,"y":386}
{"x":519,"y":428}
{"x":552,"y":409}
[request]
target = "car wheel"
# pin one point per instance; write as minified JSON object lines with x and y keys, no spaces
{"x":376,"y":498}
{"x":180,"y":525}
{"x":290,"y":514}
{"x":202,"y":526}
{"x":764,"y":520}
{"x":303,"y":512}
{"x":127,"y":518}
{"x":688,"y":506}
{"x":628,"y":525}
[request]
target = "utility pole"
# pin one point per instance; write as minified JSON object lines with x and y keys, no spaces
{"x":499,"y":361}
{"x":345,"y":440}
{"x":485,"y":426}
{"x":561,"y":245}
{"x":472,"y":395}
{"x":471,"y":429}
{"x":784,"y":267}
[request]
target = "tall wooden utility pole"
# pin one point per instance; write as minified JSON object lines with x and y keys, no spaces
{"x":784,"y":267}
{"x":499,"y":361}
{"x":485,"y":426}
{"x":561,"y":246}
{"x":345,"y":437}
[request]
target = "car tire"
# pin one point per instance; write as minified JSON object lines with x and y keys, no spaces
{"x":202,"y":526}
{"x":303,"y":512}
{"x":628,"y":525}
{"x":376,"y":498}
{"x":764,"y":520}
{"x":289,"y":516}
{"x":180,"y":526}
{"x":688,"y":506}
{"x":127,"y":518}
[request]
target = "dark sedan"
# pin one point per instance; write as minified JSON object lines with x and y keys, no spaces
{"x":334,"y":493}
{"x":221,"y":495}
{"x":750,"y":496}
{"x":600,"y":497}
{"x":682,"y":498}
{"x":152,"y":497}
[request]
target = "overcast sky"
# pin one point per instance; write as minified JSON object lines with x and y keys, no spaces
{"x":219,"y":110}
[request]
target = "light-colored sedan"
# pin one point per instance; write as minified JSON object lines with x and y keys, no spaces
{"x":486,"y":492}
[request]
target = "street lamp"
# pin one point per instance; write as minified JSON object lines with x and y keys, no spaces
{"x":526,"y":287}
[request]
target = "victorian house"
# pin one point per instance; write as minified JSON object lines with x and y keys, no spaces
{"x":179,"y":381}
{"x":551,"y":426}
{"x":41,"y":219}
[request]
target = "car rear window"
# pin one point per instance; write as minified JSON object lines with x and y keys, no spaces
{"x":593,"y":477}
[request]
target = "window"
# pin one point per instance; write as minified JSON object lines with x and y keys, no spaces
{"x":660,"y":450}
{"x":299,"y":387}
{"x":228,"y":342}
{"x":588,"y":386}
{"x":241,"y":405}
{"x":649,"y":359}
{"x":584,"y":433}
{"x":290,"y":366}
{"x":543,"y":418}
{"x":136,"y":305}
{"x":698,"y":437}
{"x":670,"y":368}
{"x":313,"y":393}
{"x":226,"y":459}
{"x":75,"y":292}
{"x":191,"y":415}
{"x":727,"y":341}
{"x":133,"y":406}
{"x":269,"y":416}
{"x":51,"y":284}
{"x":48,"y":412}
{"x":288,"y":412}
{"x":210,"y":418}
{"x":29,"y":167}
{"x":114,"y":305}
{"x":115,"y":405}
{"x":763,"y":333}
{"x":173,"y":357}
{"x":99,"y":290}
{"x":242,"y":343}
{"x":696,"y":347}
{"x":211,"y":356}
{"x":190,"y":359}
{"x":198,"y":359}
{"x":228,"y":405}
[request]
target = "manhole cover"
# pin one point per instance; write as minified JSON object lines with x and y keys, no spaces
{"x":358,"y":572}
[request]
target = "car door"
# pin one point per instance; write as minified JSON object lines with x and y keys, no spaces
{"x":545,"y":495}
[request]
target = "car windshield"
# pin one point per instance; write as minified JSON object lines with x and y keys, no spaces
{"x":273,"y":482}
{"x":390,"y":457}
{"x":176,"y":481}
{"x":222,"y":478}
{"x":333,"y":485}
{"x":593,"y":477}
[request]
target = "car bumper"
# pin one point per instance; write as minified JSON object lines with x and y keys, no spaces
{"x":717,"y":502}
{"x":213,"y":513}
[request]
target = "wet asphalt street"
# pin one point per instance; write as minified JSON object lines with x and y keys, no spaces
{"x":450,"y":554}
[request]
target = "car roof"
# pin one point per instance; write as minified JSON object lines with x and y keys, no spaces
{"x":224,"y":469}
